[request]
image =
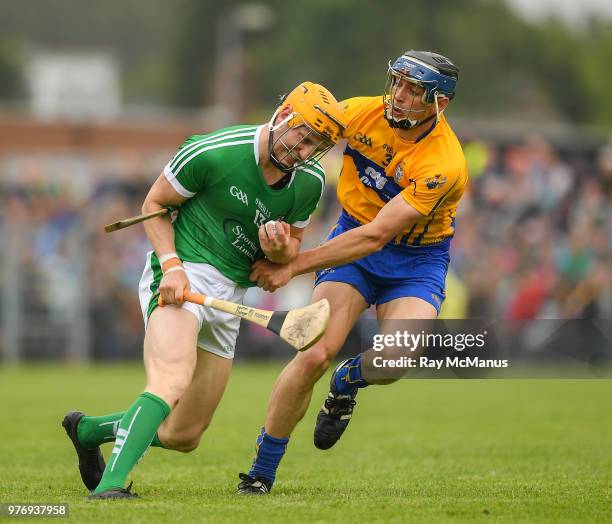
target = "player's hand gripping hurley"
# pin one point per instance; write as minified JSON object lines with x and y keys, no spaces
{"x":301,"y":328}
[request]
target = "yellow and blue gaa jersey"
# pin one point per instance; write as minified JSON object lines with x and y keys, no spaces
{"x":431,"y":173}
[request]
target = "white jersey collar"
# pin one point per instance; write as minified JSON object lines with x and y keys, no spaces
{"x":256,"y":143}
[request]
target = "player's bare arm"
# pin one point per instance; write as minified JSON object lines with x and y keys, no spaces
{"x":161,"y":235}
{"x":395,"y":216}
{"x":279,"y":241}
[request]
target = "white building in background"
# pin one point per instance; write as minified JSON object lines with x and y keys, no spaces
{"x":575,"y":13}
{"x":74,"y":86}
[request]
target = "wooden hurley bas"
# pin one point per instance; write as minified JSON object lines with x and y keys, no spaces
{"x":301,"y":328}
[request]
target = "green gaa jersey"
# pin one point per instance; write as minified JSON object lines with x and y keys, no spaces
{"x":229,"y":199}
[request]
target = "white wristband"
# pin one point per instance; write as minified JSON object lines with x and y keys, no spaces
{"x":174,"y":268}
{"x":168,"y":256}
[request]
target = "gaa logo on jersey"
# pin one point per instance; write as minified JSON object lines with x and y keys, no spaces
{"x":240,"y":195}
{"x":364,"y":139}
{"x":435,"y":181}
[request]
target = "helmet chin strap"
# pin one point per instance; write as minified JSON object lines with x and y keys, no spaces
{"x":438,"y":110}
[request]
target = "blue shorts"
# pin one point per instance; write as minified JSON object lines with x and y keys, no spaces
{"x":396,"y":271}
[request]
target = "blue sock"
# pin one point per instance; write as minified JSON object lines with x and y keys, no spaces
{"x":348,"y":377}
{"x":270,"y":451}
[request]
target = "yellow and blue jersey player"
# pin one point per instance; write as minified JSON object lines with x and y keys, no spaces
{"x":403,"y":175}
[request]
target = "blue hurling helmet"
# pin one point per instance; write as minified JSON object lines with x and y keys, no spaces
{"x":436,"y":74}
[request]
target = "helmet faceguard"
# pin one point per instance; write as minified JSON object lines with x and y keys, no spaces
{"x":319,"y":120}
{"x":436,"y":74}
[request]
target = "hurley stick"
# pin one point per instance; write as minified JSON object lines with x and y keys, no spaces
{"x":301,"y":328}
{"x":134,"y":220}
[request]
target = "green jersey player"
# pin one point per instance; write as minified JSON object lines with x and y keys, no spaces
{"x":245,"y":193}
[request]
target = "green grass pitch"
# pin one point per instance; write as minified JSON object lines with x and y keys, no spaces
{"x":416,"y":451}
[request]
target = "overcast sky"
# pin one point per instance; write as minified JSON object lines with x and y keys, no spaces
{"x":573,"y":11}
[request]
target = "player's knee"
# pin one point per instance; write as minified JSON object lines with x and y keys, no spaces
{"x":171,"y":390}
{"x":185,"y":443}
{"x":315,"y":362}
{"x":188,"y":446}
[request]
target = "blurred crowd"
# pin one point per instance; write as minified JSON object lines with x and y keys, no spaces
{"x":533,"y":240}
{"x":534,"y":236}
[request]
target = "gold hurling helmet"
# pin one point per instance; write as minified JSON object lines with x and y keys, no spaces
{"x":315,"y":108}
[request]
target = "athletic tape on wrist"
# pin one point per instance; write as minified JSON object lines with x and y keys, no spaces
{"x":166,"y":257}
{"x":173,"y":262}
{"x":174,"y":268}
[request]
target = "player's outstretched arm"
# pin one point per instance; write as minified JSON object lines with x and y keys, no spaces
{"x":359,"y":242}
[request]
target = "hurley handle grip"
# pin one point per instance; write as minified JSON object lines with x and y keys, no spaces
{"x":188,"y":296}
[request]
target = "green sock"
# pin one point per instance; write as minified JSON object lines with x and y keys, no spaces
{"x":94,"y":431}
{"x":136,"y":431}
